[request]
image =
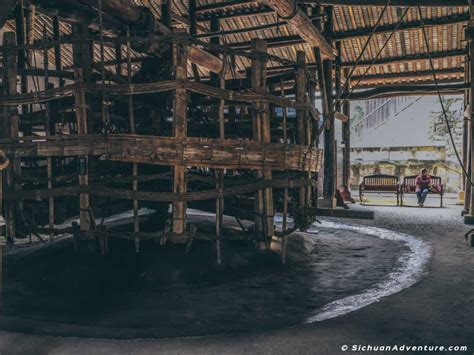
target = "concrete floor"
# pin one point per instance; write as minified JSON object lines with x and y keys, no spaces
{"x":436,"y":311}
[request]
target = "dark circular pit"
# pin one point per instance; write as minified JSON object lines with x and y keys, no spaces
{"x":166,"y":292}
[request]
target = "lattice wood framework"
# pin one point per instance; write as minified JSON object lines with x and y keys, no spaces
{"x":204,"y":87}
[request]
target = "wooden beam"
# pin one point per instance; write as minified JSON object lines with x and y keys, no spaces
{"x":388,"y":60}
{"x":408,"y":89}
{"x":439,"y":21}
{"x":220,"y":5}
{"x":407,"y":58}
{"x":408,"y":75}
{"x":239,"y":12}
{"x":427,"y":3}
{"x":157,"y":150}
{"x":301,"y":24}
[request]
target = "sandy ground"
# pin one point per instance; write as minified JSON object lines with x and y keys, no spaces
{"x":436,"y":311}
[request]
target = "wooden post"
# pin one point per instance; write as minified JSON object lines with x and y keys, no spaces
{"x":30,"y":27}
{"x":58,"y":65}
{"x":313,"y":138}
{"x":81,"y":122}
{"x":180,"y":106}
{"x":470,"y":199}
{"x":302,"y":122}
{"x":465,"y":138}
{"x":329,"y":135}
{"x":285,"y":141}
{"x":82,"y":73}
{"x":131,"y":116}
{"x":218,"y":80}
{"x":20,"y":25}
{"x":193,"y":32}
{"x":471,"y":113}
{"x":166,"y":13}
{"x":49,"y":131}
{"x":261,"y":132}
{"x":346,"y":135}
{"x":9,"y":129}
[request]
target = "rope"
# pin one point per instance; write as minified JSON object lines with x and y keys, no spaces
{"x":443,"y":108}
{"x":354,"y":67}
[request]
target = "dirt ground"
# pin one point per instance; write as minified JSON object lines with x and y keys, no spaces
{"x":436,"y":311}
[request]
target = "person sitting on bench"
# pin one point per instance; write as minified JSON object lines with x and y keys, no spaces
{"x":423,"y":185}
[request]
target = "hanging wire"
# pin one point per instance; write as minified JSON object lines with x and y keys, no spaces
{"x":339,"y":97}
{"x":354,"y":67}
{"x":441,"y":102}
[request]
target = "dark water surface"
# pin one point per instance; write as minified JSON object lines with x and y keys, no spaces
{"x":179,"y":293}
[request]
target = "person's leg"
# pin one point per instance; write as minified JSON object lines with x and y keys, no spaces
{"x":424,"y":193}
{"x":418,"y":195}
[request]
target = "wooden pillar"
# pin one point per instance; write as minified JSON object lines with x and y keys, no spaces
{"x":58,"y":65}
{"x":82,"y":73}
{"x":193,"y":32}
{"x":346,"y":139}
{"x":30,"y":27}
{"x":166,"y":13}
{"x":329,"y":185}
{"x":219,"y":81}
{"x":180,"y":106}
{"x":20,"y":25}
{"x":303,"y":129}
{"x":82,"y":51}
{"x":9,"y":129}
{"x":131,"y":117}
{"x":83,"y":161}
{"x":49,"y":129}
{"x":261,"y":132}
{"x":466,"y":136}
{"x":471,"y":114}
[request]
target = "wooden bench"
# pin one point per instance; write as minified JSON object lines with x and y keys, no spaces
{"x":380,"y":183}
{"x":409,"y":187}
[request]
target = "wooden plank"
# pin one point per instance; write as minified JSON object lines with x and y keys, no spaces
{"x":205,"y":152}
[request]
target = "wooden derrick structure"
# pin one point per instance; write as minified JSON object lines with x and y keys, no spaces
{"x":190,"y":104}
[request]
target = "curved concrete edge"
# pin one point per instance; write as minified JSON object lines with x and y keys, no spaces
{"x":412,"y":266}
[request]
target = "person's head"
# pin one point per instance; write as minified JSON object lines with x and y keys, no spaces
{"x":424,"y":172}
